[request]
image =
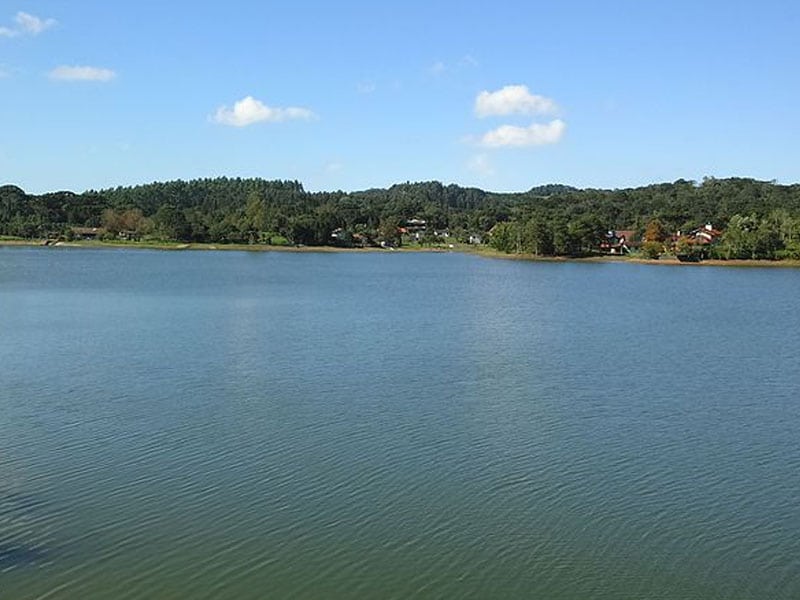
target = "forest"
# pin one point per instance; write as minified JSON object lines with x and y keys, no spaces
{"x":757,"y":219}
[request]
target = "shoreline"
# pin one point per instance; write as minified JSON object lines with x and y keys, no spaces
{"x":483,"y":251}
{"x":665,"y":262}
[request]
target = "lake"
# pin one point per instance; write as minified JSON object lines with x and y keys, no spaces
{"x":395,"y":425}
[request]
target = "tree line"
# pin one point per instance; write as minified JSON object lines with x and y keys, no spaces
{"x":759,"y":219}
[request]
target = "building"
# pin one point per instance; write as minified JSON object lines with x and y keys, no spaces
{"x":87,"y":233}
{"x":618,"y":242}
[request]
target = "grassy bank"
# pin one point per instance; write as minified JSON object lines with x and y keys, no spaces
{"x":161,"y":245}
{"x":484,"y":251}
{"x":489,"y":252}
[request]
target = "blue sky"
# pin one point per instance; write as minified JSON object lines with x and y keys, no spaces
{"x":352,"y":95}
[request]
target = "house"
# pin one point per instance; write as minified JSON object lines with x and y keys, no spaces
{"x":129,"y":235}
{"x":705,"y":235}
{"x":475,"y":238}
{"x":702,"y":236}
{"x":415,"y":225}
{"x":87,"y":233}
{"x":694,"y":246}
{"x":618,"y":242}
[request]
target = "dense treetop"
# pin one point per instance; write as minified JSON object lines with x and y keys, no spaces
{"x":549,"y":219}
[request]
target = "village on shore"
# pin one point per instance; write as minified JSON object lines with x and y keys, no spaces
{"x":686,"y":221}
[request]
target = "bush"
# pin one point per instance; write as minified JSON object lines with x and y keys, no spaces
{"x":652,"y":250}
{"x":792,"y":251}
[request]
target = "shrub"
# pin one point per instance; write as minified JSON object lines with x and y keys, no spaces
{"x":652,"y":250}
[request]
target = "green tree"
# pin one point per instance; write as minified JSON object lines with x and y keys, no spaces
{"x":171,"y":224}
{"x":389,"y":230}
{"x":504,"y":237}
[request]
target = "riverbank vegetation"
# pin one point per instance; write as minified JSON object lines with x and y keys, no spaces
{"x":751,"y":219}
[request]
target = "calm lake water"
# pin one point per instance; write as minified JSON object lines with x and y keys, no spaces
{"x":275,"y":425}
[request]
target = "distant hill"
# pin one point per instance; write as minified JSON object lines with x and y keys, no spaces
{"x":245,"y":210}
{"x":551,"y":189}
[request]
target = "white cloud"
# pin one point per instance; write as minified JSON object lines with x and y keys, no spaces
{"x":536,"y":134}
{"x":81,"y":73}
{"x":249,"y":110}
{"x":481,"y":165}
{"x":27,"y":24}
{"x":513,"y":99}
{"x":32,"y":24}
